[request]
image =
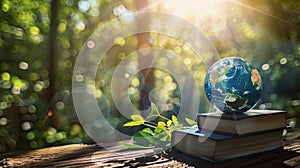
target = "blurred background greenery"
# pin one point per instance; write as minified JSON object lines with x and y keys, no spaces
{"x":40,"y":40}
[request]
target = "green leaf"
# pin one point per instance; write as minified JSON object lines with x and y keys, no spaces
{"x":174,"y":119}
{"x":169,"y":122}
{"x":135,"y":146}
{"x":154,"y":112}
{"x":154,"y":109}
{"x":133,"y":123}
{"x":148,"y":130}
{"x":144,"y":134}
{"x":161,"y":124}
{"x":158,"y":130}
{"x":165,"y":138}
{"x":190,"y":122}
{"x":162,"y":136}
{"x":137,"y":117}
{"x":152,"y":116}
{"x":144,"y":138}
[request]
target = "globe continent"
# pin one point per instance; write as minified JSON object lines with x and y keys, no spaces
{"x":233,"y":85}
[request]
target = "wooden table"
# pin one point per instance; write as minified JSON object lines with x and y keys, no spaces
{"x":80,"y":155}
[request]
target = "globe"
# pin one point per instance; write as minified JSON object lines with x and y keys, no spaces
{"x":233,"y":85}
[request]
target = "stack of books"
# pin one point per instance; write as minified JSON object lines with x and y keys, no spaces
{"x":227,"y":136}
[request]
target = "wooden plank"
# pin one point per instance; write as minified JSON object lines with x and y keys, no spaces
{"x":293,"y":162}
{"x":80,"y":155}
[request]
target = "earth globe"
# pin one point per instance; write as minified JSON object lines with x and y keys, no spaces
{"x":233,"y":85}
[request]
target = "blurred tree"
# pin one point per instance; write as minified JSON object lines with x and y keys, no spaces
{"x":24,"y":78}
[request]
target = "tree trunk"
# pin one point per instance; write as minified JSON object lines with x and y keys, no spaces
{"x":52,"y":59}
{"x":144,"y":58}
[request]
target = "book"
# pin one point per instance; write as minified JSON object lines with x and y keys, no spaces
{"x":243,"y":123}
{"x":219,"y":147}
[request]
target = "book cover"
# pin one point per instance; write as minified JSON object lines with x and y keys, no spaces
{"x":250,"y":121}
{"x":249,"y":114}
{"x":220,"y":147}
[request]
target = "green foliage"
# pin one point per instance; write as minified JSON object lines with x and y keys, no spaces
{"x":133,"y":123}
{"x":155,"y":133}
{"x":137,"y":120}
{"x":26,"y":109}
{"x":191,"y":122}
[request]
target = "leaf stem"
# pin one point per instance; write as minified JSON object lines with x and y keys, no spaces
{"x":149,"y":122}
{"x":163,"y":117}
{"x":148,"y":125}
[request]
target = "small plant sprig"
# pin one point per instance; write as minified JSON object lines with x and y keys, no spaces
{"x":155,"y":133}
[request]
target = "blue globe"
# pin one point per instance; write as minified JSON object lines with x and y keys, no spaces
{"x":233,"y":85}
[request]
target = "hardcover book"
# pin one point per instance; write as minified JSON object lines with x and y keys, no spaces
{"x":250,"y":121}
{"x":219,"y":147}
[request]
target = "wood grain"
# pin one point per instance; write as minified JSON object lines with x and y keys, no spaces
{"x":80,"y":155}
